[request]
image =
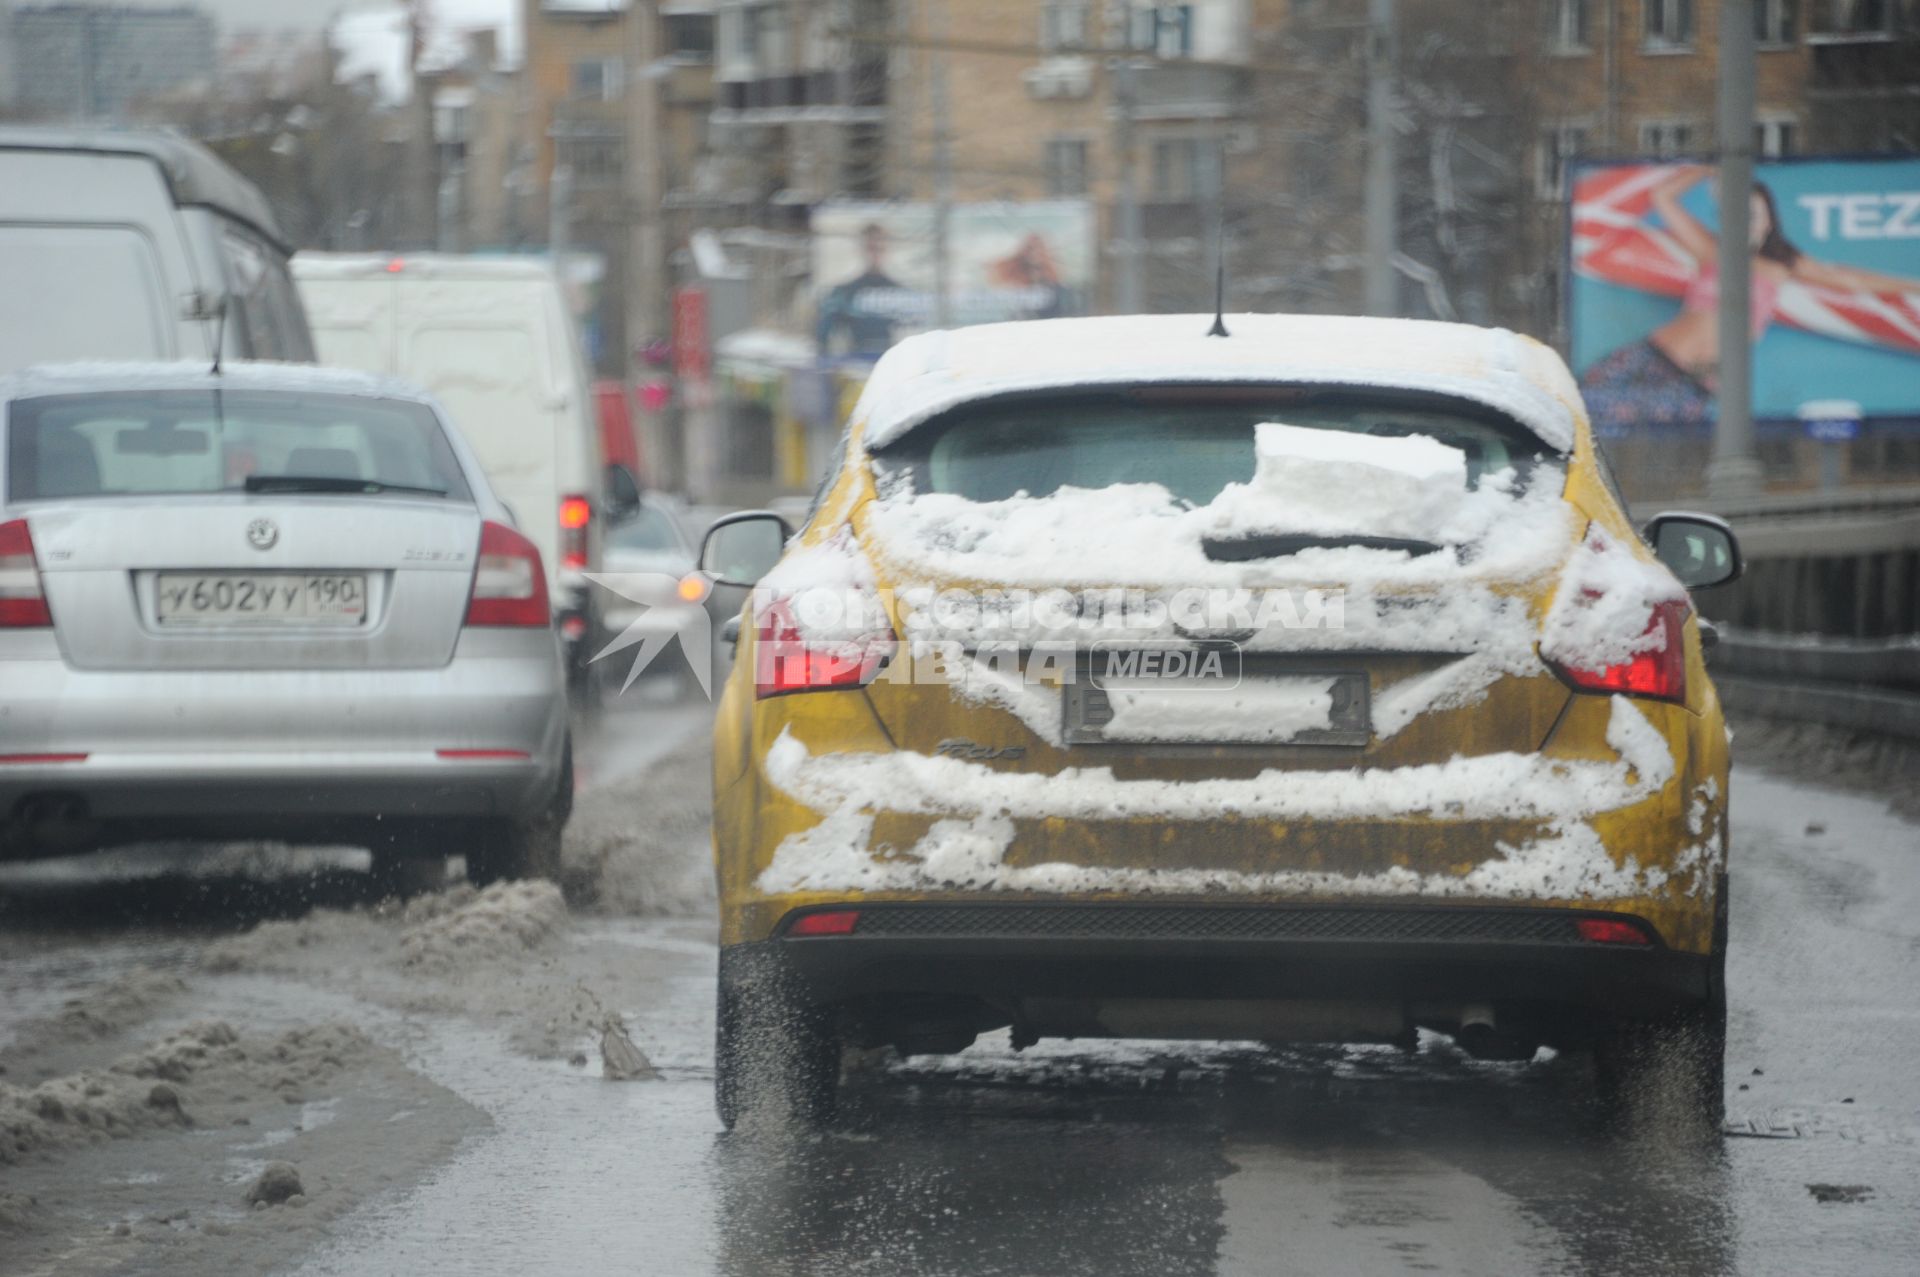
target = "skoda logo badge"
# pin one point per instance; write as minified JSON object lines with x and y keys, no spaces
{"x":261,"y":534}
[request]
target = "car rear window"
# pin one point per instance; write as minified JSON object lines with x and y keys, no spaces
{"x":1192,"y":441}
{"x":126,"y":443}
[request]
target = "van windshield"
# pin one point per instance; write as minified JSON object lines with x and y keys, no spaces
{"x":127,"y":443}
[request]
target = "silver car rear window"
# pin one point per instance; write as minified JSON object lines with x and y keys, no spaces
{"x":130,"y":443}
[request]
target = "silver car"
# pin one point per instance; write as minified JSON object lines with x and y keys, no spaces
{"x":268,"y":602}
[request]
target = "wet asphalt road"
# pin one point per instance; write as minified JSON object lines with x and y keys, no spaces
{"x":1175,"y":1158}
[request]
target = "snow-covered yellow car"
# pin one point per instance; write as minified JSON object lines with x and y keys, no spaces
{"x":1304,"y":683}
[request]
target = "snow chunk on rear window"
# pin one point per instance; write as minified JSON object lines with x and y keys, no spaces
{"x":1336,"y":482}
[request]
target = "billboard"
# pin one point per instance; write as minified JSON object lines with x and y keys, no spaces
{"x":1835,"y":289}
{"x":874,"y":277}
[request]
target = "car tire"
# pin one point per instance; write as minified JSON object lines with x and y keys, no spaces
{"x":1666,"y":1074}
{"x":527,"y":847}
{"x":776,"y":1054}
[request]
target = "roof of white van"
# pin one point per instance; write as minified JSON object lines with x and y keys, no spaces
{"x":194,"y":174}
{"x":420,"y":265}
{"x":100,"y":376}
{"x":932,"y":372}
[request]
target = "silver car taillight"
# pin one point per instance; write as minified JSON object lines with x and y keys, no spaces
{"x":23,"y":603}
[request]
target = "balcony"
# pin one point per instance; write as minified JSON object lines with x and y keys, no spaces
{"x":849,"y":95}
{"x":1177,"y":91}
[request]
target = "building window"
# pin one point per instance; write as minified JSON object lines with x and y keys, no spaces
{"x":1569,"y":33}
{"x":597,"y":80}
{"x":1066,"y":166}
{"x":1773,"y":22}
{"x":1669,"y":24}
{"x":1560,"y":145}
{"x":689,"y":37}
{"x":1665,"y":138}
{"x":1164,"y":30}
{"x":1850,"y":20}
{"x":1774,"y":136}
{"x":593,"y":159}
{"x":1186,"y":169}
{"x":1065,"y":25}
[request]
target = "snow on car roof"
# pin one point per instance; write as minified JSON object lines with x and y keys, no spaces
{"x":95,"y":375}
{"x":932,"y":372}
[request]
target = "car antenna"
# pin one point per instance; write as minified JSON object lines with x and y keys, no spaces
{"x":1219,"y":328}
{"x":219,"y":334}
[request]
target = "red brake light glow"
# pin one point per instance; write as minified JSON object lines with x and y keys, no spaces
{"x":42,"y":758}
{"x":576,"y":512}
{"x":23,"y":604}
{"x":1610,"y":931}
{"x":827,"y":922}
{"x":1659,"y":673}
{"x":787,"y":660}
{"x":509,"y":585}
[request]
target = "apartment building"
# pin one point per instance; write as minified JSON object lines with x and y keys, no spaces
{"x":617,"y":98}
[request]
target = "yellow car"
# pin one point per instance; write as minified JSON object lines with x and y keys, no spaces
{"x":1306,"y":683}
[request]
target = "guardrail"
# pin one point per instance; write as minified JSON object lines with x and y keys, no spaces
{"x":1825,"y":625}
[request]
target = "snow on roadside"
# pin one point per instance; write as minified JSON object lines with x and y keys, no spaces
{"x":165,"y":1084}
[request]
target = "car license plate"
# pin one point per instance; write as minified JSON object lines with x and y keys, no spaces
{"x":261,"y":598}
{"x":1112,"y":704}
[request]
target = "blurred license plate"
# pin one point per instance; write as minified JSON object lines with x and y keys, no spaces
{"x":261,"y":598}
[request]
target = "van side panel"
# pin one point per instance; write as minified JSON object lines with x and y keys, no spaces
{"x":94,"y":259}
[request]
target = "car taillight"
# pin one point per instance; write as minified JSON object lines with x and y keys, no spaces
{"x":576,"y":512}
{"x":787,"y":658}
{"x":1610,"y":931}
{"x":1659,"y":672}
{"x":825,"y":922}
{"x":22,"y":601}
{"x":509,"y":585}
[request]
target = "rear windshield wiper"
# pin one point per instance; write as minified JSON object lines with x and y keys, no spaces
{"x":1244,"y":548}
{"x":331,"y":483}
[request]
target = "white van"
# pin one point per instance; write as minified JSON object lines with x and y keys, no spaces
{"x":120,"y":244}
{"x":492,"y":339}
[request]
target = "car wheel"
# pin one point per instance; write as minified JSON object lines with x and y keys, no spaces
{"x":776,"y":1055}
{"x":528,"y":847}
{"x":1666,"y":1074}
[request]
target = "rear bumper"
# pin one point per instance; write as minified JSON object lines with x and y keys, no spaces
{"x":247,"y":749}
{"x":1416,"y":956}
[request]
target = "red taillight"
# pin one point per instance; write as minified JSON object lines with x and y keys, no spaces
{"x":482,"y":755}
{"x":42,"y":758}
{"x":826,"y":922}
{"x":1660,"y":673}
{"x":509,"y":585}
{"x":576,"y":512}
{"x":22,"y":601}
{"x":786,"y":660}
{"x":1610,"y":931}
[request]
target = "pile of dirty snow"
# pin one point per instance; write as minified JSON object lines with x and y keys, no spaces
{"x":166,"y":1083}
{"x":460,"y":926}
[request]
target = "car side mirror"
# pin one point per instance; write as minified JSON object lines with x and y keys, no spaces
{"x":1698,"y":548}
{"x":622,"y":492}
{"x":742,"y":548}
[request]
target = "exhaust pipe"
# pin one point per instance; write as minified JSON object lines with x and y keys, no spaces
{"x":1481,"y":1036}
